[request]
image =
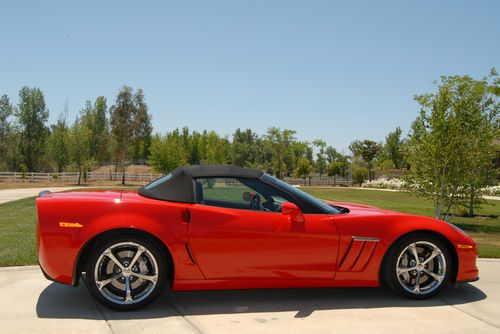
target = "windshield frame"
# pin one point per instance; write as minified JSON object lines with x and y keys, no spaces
{"x":309,"y":203}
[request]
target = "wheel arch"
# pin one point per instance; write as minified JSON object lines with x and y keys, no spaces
{"x":86,"y":250}
{"x":446,"y":241}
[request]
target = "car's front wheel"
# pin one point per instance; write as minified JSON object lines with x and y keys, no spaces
{"x":126,"y":272}
{"x":419,"y":266}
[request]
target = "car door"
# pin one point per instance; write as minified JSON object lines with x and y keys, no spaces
{"x":231,"y":238}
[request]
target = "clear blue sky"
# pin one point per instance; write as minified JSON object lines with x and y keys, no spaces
{"x":333,"y":70}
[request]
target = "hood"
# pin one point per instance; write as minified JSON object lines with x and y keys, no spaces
{"x":362,"y":209}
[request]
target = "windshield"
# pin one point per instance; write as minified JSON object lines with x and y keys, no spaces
{"x":300,"y":194}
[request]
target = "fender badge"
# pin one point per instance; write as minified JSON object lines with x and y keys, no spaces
{"x":66,"y":224}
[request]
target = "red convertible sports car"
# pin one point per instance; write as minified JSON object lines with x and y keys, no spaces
{"x":224,"y":227}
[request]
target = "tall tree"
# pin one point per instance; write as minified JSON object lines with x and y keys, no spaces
{"x":451,"y":144}
{"x":368,"y":150}
{"x":32,"y":115}
{"x":142,"y":127}
{"x":58,"y":146}
{"x":279,"y":143}
{"x":79,"y":146}
{"x":321,"y":157}
{"x":6,"y":111}
{"x":394,"y":147}
{"x":245,"y":148}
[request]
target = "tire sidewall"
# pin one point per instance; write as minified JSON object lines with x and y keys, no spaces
{"x":101,"y":247}
{"x":390,"y":275}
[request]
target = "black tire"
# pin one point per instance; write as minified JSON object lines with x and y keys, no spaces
{"x":151,"y":264}
{"x":403,"y":280}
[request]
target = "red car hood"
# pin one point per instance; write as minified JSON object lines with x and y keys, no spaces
{"x":362,"y":209}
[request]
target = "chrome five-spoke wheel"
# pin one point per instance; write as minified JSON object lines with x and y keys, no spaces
{"x":419,"y":266}
{"x":126,"y":273}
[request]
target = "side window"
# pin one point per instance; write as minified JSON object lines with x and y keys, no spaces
{"x":240,"y":193}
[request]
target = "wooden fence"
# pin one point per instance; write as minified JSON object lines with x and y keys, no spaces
{"x":72,"y":178}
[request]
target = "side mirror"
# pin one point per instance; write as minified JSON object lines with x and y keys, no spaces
{"x":293,"y":211}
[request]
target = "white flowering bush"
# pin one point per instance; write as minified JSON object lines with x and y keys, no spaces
{"x":383,"y":183}
{"x":491,"y":191}
{"x":399,"y":184}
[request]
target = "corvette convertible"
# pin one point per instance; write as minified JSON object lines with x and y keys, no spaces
{"x":225,"y":227}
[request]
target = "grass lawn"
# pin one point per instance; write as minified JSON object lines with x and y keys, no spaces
{"x":18,"y":219}
{"x":485,"y":231}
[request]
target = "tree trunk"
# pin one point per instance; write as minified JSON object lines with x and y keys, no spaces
{"x":79,"y":174}
{"x":471,"y":201}
{"x":123,"y":172}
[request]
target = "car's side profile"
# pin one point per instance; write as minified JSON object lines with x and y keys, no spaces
{"x":226,"y":227}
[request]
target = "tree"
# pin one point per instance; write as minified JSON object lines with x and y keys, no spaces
{"x":216,"y":150}
{"x":279,"y":144}
{"x":32,"y":116}
{"x":142,"y":127}
{"x":79,"y":146}
{"x":368,"y":150}
{"x":304,"y":169}
{"x":321,"y":157}
{"x":338,"y":167}
{"x":130,"y":126}
{"x":245,"y":148}
{"x":167,"y":152}
{"x":394,"y":148}
{"x":95,"y":120}
{"x":450,"y":147}
{"x":58,"y":146}
{"x":6,"y":111}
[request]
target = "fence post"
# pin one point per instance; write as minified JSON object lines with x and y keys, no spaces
{"x":15,"y":176}
{"x":32,"y":177}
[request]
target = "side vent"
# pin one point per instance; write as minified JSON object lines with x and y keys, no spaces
{"x":358,"y":254}
{"x":189,"y":254}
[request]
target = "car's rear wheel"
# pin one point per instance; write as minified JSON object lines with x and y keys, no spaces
{"x":126,"y":272}
{"x":419,"y":266}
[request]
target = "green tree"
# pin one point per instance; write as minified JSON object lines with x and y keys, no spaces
{"x":32,"y":115}
{"x":450,"y":147}
{"x":394,"y":148}
{"x":142,"y":127}
{"x":6,"y":111}
{"x":359,"y":173}
{"x":304,"y":169}
{"x":167,"y":152}
{"x":368,"y":150}
{"x":58,"y":145}
{"x":338,"y":167}
{"x":79,"y":146}
{"x":246,"y":148}
{"x":216,"y":150}
{"x":279,"y":144}
{"x":321,"y":156}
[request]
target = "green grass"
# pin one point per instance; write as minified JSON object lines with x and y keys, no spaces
{"x":18,"y":220}
{"x":17,"y":233}
{"x":485,"y":231}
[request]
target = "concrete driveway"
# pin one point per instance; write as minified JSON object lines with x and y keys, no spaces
{"x":7,"y":195}
{"x":31,"y":304}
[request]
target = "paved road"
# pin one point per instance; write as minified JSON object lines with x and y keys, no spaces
{"x":31,"y":304}
{"x":7,"y":195}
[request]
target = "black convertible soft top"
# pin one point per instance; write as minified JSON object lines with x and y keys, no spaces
{"x":178,"y":185}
